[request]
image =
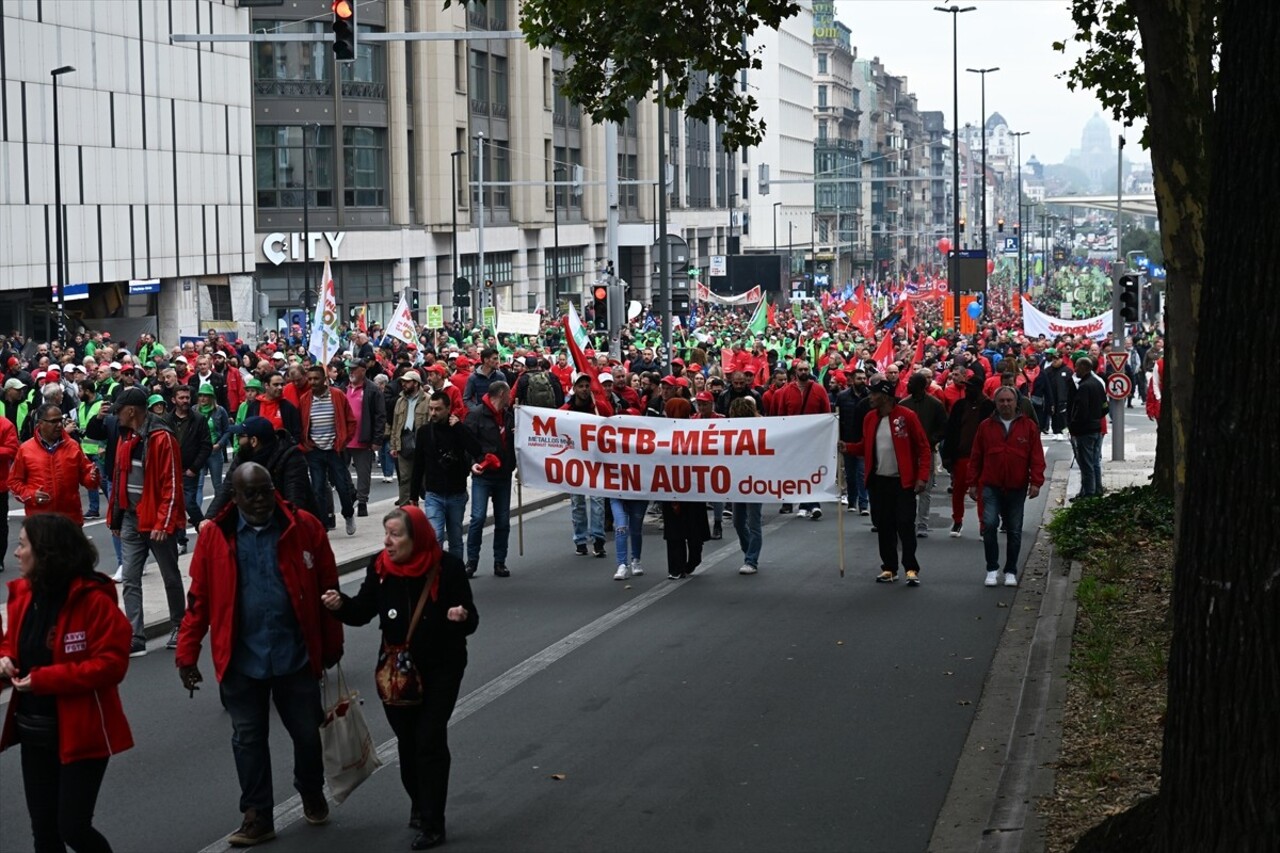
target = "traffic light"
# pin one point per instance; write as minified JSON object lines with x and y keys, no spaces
{"x":600,"y":296}
{"x":344,"y":30}
{"x":488,"y":284}
{"x":1016,"y":229}
{"x":962,"y":225}
{"x":1130,"y":297}
{"x":1000,"y":225}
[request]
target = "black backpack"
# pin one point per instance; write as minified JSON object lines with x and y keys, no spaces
{"x":539,"y":392}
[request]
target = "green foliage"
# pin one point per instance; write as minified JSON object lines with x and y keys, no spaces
{"x":1112,"y":62}
{"x":1102,"y":523}
{"x":1147,"y":242}
{"x":696,"y":47}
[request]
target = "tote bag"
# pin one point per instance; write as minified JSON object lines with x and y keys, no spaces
{"x":349,"y":755}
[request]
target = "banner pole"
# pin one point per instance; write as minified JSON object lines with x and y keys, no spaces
{"x":520,"y":513}
{"x":840,"y":510}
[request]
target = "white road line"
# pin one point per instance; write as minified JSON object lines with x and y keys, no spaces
{"x":290,"y":811}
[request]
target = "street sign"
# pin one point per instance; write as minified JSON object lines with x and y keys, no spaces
{"x":435,"y":316}
{"x":719,"y":266}
{"x":1119,"y":387}
{"x":490,"y":316}
{"x":1011,"y":244}
{"x":1118,"y":358}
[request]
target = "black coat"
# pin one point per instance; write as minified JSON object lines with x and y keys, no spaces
{"x":685,"y":520}
{"x":437,"y":643}
{"x":193,"y":439}
{"x":288,"y":467}
{"x":290,"y":417}
{"x":442,"y":459}
{"x":489,"y":436}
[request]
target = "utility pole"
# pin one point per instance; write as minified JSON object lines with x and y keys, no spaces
{"x":480,"y":227}
{"x":983,"y":128}
{"x":952,"y":265}
{"x":664,"y":250}
{"x":1022,"y":282}
{"x":611,"y":220}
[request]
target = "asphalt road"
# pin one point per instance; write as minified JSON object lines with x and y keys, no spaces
{"x":791,"y":710}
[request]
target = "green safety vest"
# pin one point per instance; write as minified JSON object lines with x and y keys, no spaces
{"x":90,"y":447}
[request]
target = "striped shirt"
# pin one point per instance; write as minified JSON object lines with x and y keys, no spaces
{"x":323,"y":432}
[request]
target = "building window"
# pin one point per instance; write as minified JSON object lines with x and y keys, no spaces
{"x":279,"y":164}
{"x":822,"y":131}
{"x":548,"y":172}
{"x":546,"y":83}
{"x":499,"y":100}
{"x":219,"y":303}
{"x":478,"y":82}
{"x":460,"y":144}
{"x":501,"y":161}
{"x":822,"y":96}
{"x":364,"y":166}
{"x":822,"y":63}
{"x":305,"y":69}
{"x":460,"y":66}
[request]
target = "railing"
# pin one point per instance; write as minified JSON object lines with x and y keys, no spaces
{"x":359,"y":89}
{"x":293,"y":88}
{"x":479,"y":105}
{"x":498,"y":109}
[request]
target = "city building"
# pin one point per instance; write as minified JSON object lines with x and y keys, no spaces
{"x":837,"y":161}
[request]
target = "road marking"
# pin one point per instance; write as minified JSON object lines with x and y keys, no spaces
{"x":290,"y":811}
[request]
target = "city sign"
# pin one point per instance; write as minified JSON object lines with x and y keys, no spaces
{"x":143,"y":285}
{"x":278,"y":247}
{"x":719,"y":266}
{"x":1118,"y":359}
{"x":1118,"y":386}
{"x":435,"y":317}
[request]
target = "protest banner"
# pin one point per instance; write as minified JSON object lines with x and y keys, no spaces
{"x":1035,"y":322}
{"x":518,"y":323}
{"x":757,"y":460}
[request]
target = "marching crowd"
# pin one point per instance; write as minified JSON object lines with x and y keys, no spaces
{"x":275,"y":432}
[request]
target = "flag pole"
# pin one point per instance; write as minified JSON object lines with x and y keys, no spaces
{"x":839,"y":510}
{"x":520,"y":513}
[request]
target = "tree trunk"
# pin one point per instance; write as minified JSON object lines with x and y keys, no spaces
{"x":1177,"y":51}
{"x":1220,"y":785}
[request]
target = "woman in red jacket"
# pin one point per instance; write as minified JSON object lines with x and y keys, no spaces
{"x":66,"y":651}
{"x":50,"y":469}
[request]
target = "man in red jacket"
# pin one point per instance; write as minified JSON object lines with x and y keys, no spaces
{"x":803,"y":396}
{"x":8,"y":452}
{"x":270,"y":642}
{"x":147,"y":508}
{"x":328,"y":425}
{"x":1007,"y":464}
{"x":50,"y":468}
{"x":898,"y":456}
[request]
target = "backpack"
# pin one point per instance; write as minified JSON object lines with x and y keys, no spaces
{"x":539,"y":392}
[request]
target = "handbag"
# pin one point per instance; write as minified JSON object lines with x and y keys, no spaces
{"x":349,"y":755}
{"x":397,"y":677}
{"x":408,"y":443}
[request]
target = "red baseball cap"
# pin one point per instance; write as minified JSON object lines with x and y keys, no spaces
{"x":704,"y":397}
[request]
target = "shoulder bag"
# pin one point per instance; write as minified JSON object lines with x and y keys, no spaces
{"x":397,"y":677}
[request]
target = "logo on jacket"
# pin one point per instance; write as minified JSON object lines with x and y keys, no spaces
{"x":308,"y":560}
{"x":899,"y":426}
{"x":74,"y":641}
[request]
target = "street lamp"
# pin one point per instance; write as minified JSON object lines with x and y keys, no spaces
{"x":1018,"y":141}
{"x":61,"y":278}
{"x":983,"y":214}
{"x":555,"y":293}
{"x":776,"y":205}
{"x":955,"y":12}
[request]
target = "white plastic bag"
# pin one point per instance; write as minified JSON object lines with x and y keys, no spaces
{"x":349,"y":754}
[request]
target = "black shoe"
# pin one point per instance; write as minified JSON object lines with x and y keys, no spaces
{"x":785,"y":510}
{"x":815,"y":514}
{"x":415,"y":818}
{"x":89,"y":515}
{"x":253,"y":830}
{"x":362,"y":510}
{"x":598,"y":545}
{"x":717,"y":532}
{"x":581,"y":549}
{"x":173,"y":640}
{"x":315,"y":808}
{"x":500,"y":570}
{"x":471,"y":568}
{"x":427,"y":839}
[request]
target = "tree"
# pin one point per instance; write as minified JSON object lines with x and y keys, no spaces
{"x":1147,"y":242}
{"x":619,"y":51}
{"x":1220,"y":785}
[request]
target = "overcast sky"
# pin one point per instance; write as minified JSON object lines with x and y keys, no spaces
{"x":1016,"y":35}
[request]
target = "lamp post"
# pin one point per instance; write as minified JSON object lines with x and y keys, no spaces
{"x":776,"y":205}
{"x":61,"y":278}
{"x":1018,"y":141}
{"x":555,"y":287}
{"x":954,"y":12}
{"x":983,"y":214}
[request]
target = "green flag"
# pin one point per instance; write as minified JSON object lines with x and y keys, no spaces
{"x":760,"y":319}
{"x":797,"y":310}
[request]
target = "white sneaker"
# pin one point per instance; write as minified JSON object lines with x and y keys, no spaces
{"x":747,"y":569}
{"x":803,"y":513}
{"x":852,"y":508}
{"x":1010,"y":579}
{"x":993,"y":578}
{"x":388,"y":479}
{"x":622,"y":573}
{"x":118,"y":577}
{"x":844,"y":500}
{"x":637,"y":570}
{"x":815,"y":514}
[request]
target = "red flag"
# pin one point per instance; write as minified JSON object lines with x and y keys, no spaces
{"x":909,"y":318}
{"x":919,"y":357}
{"x":770,"y":314}
{"x":361,"y":323}
{"x":884,"y":353}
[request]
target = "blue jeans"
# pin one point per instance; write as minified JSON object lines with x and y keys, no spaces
{"x":445,"y":514}
{"x":190,"y":491}
{"x":98,"y":463}
{"x":297,"y":700}
{"x":1089,"y":458}
{"x":214,"y":467}
{"x":1007,"y":504}
{"x":746,"y":523}
{"x":587,"y":515}
{"x":484,"y":490}
{"x":855,"y":480}
{"x":326,"y":467}
{"x":628,"y":527}
{"x":115,"y":540}
{"x":384,"y":458}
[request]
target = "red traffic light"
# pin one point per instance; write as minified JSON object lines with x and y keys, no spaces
{"x":342,"y":8}
{"x":601,"y":293}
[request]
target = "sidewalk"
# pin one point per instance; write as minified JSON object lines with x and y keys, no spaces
{"x":1007,"y":761}
{"x":351,"y":553}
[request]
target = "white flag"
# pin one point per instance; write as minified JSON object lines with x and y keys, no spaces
{"x":324,"y":325}
{"x":402,"y":325}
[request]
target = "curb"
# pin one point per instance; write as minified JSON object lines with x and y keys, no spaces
{"x":1006,"y":761}
{"x":161,"y":627}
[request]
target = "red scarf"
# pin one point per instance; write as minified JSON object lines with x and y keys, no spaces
{"x":426,"y":552}
{"x":497,"y":416}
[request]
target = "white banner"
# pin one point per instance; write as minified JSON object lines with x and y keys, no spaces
{"x":757,"y":460}
{"x":516,"y":323}
{"x":324,"y":325}
{"x":755,"y":294}
{"x":401,"y":325}
{"x":1036,"y":322}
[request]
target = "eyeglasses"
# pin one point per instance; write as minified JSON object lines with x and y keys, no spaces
{"x":48,"y":421}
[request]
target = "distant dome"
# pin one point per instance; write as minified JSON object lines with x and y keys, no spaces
{"x":1096,"y":135}
{"x":995,"y":121}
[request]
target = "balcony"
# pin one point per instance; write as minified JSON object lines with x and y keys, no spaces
{"x":293,"y":88}
{"x":367,"y":91}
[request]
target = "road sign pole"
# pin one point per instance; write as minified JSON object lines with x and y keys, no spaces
{"x":1117,"y":342}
